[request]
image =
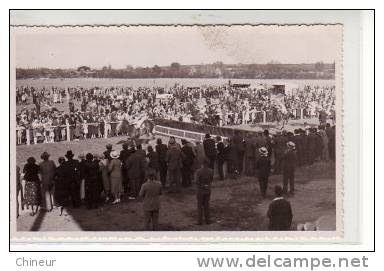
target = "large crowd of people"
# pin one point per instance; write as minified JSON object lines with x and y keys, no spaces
{"x":133,"y":173}
{"x":92,"y":112}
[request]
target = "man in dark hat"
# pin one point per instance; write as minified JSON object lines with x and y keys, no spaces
{"x":73,"y":175}
{"x":124,"y":154}
{"x":47,"y":171}
{"x":221,"y":157}
{"x":161,"y":150}
{"x":175,"y":162}
{"x":107,"y":152}
{"x":188,"y":160}
{"x":239,"y":148}
{"x":263,"y":169}
{"x":150,"y":193}
{"x":204,"y":178}
{"x":250,"y":154}
{"x":279,"y":212}
{"x":279,"y":146}
{"x":210,"y":150}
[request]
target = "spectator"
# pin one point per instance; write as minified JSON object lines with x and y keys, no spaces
{"x":210,"y":150}
{"x":264,"y":168}
{"x":204,"y":178}
{"x":47,"y":170}
{"x":115,"y":175}
{"x":32,"y":185}
{"x":289,"y":159}
{"x":161,"y":150}
{"x":279,"y":212}
{"x":150,"y":193}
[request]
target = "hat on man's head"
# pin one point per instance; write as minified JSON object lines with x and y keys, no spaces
{"x":263,"y":151}
{"x":89,"y":156}
{"x":31,"y":160}
{"x":114,"y":154}
{"x":291,"y":145}
{"x":61,"y":160}
{"x":44,"y":155}
{"x":218,"y":138}
{"x":108,"y":146}
{"x":207,"y":136}
{"x":69,"y":154}
{"x":125,"y":145}
{"x":172,"y":140}
{"x":184,"y":141}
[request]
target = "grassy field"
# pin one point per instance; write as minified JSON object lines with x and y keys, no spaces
{"x":235,"y":204}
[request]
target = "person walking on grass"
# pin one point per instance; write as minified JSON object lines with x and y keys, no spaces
{"x":47,"y":171}
{"x":263,"y":167}
{"x":150,"y":194}
{"x":204,"y":178}
{"x":135,"y":167}
{"x":289,"y":159}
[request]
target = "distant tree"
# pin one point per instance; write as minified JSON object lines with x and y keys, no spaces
{"x":175,"y":66}
{"x":83,"y":69}
{"x":156,"y":69}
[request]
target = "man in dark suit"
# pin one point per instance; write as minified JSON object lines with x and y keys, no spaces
{"x":289,"y":159}
{"x":279,"y":212}
{"x":135,"y":166}
{"x":72,"y":172}
{"x":204,"y":178}
{"x":238,"y":145}
{"x":175,"y":162}
{"x":210,"y":150}
{"x":221,"y":156}
{"x":263,"y":167}
{"x":161,"y":150}
{"x":124,"y":154}
{"x":188,"y":160}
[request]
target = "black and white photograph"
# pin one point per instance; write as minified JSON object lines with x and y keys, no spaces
{"x":183,"y":130}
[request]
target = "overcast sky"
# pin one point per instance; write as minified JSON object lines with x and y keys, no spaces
{"x":149,"y":46}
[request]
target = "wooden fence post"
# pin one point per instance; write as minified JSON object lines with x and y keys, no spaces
{"x":68,"y":131}
{"x":105,"y":130}
{"x":264,"y":116}
{"x":28,"y":136}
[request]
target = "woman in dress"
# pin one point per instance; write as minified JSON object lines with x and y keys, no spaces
{"x":115,"y":171}
{"x":32,"y":194}
{"x":62,"y":186}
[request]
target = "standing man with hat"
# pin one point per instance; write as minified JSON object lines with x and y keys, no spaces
{"x":150,"y":193}
{"x":161,"y":150}
{"x":175,"y":163}
{"x":204,"y":178}
{"x":108,"y":151}
{"x":210,"y":150}
{"x":73,"y":175}
{"x":289,"y":159}
{"x":279,"y":212}
{"x":124,"y":154}
{"x":264,"y":168}
{"x":47,"y":171}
